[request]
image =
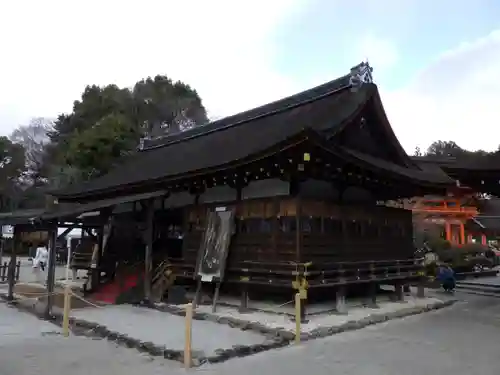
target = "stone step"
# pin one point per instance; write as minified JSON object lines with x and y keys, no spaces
{"x":477,"y":285}
{"x":479,"y":293}
{"x":479,"y":288}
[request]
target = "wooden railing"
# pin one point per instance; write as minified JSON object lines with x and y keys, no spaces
{"x":4,"y":271}
{"x":318,"y":275}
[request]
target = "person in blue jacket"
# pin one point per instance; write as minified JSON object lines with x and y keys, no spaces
{"x":447,"y":278}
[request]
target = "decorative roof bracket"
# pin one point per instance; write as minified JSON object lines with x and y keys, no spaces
{"x":360,"y":74}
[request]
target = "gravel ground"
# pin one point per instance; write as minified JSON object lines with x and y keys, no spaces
{"x":26,"y":274}
{"x":167,"y":329}
{"x":494,"y":280}
{"x":461,"y":340}
{"x":29,"y":346}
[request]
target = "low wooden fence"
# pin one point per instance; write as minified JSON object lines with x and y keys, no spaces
{"x":4,"y":271}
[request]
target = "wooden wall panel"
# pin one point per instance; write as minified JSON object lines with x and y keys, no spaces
{"x":266,"y":232}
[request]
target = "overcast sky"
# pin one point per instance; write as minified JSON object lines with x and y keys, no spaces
{"x":437,"y":63}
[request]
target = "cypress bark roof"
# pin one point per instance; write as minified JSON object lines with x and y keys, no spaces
{"x":323,"y":109}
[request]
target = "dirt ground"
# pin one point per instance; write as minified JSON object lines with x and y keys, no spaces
{"x":34,"y":291}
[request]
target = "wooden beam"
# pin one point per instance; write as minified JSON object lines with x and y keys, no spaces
{"x":66,"y":231}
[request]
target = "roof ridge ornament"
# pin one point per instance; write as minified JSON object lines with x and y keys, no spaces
{"x":360,"y":74}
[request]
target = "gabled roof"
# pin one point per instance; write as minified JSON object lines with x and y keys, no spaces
{"x":252,"y":115}
{"x":327,"y":108}
{"x":480,"y":173}
{"x":448,"y":163}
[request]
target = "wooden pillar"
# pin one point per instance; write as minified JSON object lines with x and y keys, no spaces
{"x":483,"y":239}
{"x":447,"y":229}
{"x":276,"y":227}
{"x":462,"y":234}
{"x":469,"y":238}
{"x":340,"y":305}
{"x":398,"y":288}
{"x":11,"y":273}
{"x":51,"y":269}
{"x":148,"y":259}
{"x":298,"y":229}
{"x":98,"y":260}
{"x":372,"y":298}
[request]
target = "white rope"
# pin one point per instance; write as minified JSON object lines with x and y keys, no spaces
{"x":84,"y":300}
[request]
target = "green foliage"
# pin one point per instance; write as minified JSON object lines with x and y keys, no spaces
{"x":12,"y":161}
{"x":12,"y":166}
{"x":431,"y":269}
{"x":451,"y":149}
{"x":464,"y":258}
{"x":166,"y":105}
{"x":438,"y":244}
{"x":107,"y":123}
{"x":97,"y":148}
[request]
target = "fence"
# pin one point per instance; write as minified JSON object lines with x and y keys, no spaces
{"x":4,"y":271}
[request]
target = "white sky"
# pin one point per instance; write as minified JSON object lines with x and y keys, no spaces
{"x":51,"y":49}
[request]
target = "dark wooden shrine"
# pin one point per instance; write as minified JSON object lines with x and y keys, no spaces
{"x":306,"y":179}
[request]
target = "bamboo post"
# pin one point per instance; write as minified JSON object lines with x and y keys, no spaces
{"x":297,"y":317}
{"x":188,"y":333}
{"x":66,"y":309}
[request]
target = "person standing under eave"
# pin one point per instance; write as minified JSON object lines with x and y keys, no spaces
{"x":40,"y":263}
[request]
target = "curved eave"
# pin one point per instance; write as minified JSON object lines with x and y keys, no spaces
{"x":414,"y":176}
{"x":225,"y":148}
{"x":387,"y":128}
{"x":284,"y":145}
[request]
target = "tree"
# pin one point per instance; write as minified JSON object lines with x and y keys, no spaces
{"x":96,"y":149}
{"x":445,"y":149}
{"x":164,"y":106}
{"x":108,"y":122}
{"x":34,"y":138}
{"x":12,"y":165}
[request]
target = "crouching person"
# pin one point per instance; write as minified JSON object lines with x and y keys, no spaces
{"x":446,"y":276}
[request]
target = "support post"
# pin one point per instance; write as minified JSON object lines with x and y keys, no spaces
{"x":51,"y":268}
{"x":67,"y":308}
{"x":298,"y":228}
{"x":398,"y":289}
{"x":298,"y":317}
{"x":98,"y":259}
{"x":11,"y":273}
{"x":462,"y":234}
{"x":447,"y":228}
{"x":421,"y":288}
{"x":197,"y":294}
{"x":483,"y":239}
{"x":244,"y":293}
{"x":372,"y":290}
{"x":148,"y":259}
{"x":2,"y":245}
{"x":340,"y":305}
{"x":188,"y":336}
{"x":216,"y":296}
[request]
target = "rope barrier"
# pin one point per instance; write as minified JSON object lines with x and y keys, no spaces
{"x":85,"y":300}
{"x":37,"y":295}
{"x":286,"y":303}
